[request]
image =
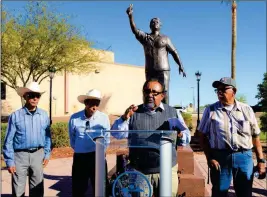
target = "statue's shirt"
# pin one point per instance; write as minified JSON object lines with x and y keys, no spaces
{"x":156,"y":51}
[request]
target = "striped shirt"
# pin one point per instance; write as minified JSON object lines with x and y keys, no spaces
{"x":25,"y":131}
{"x":229,"y":129}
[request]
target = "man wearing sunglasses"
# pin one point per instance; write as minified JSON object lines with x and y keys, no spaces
{"x":228,"y":131}
{"x":27,"y":143}
{"x":152,"y":115}
{"x":84,"y":126}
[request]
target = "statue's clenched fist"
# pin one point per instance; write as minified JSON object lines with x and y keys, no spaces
{"x":129,"y":10}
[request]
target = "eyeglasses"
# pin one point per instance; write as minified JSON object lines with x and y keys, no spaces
{"x":153,"y":92}
{"x":223,"y":90}
{"x":33,"y":95}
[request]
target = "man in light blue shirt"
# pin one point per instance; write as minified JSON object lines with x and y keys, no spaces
{"x":27,"y":143}
{"x":84,"y":127}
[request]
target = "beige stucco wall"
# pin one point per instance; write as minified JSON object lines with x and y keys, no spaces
{"x":121,"y":86}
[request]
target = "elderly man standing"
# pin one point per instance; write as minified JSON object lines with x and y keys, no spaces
{"x":152,"y":115}
{"x":27,"y":143}
{"x":84,"y":126}
{"x":228,"y":131}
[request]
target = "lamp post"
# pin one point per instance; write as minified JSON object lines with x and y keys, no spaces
{"x":52,"y":71}
{"x":198,"y":75}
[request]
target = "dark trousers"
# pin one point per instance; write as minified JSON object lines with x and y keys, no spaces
{"x":83,"y":169}
{"x":163,"y":77}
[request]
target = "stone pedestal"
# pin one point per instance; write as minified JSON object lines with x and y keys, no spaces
{"x":191,"y":181}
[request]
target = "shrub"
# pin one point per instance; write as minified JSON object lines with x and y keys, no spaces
{"x":263,"y":123}
{"x":188,"y":120}
{"x":3,"y":134}
{"x":59,"y":134}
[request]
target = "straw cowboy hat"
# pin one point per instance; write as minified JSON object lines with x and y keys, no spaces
{"x":31,"y":87}
{"x":91,"y":94}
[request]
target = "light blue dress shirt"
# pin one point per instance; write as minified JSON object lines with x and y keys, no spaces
{"x":122,"y":125}
{"x":25,"y":131}
{"x":83,"y":130}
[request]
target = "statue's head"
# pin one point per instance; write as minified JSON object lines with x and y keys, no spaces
{"x":155,"y":24}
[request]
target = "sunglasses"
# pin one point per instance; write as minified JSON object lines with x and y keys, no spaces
{"x":34,"y":95}
{"x":92,"y":102}
{"x":223,"y":90}
{"x":153,"y":92}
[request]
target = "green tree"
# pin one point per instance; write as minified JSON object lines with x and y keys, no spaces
{"x":262,"y":96}
{"x":38,"y":40}
{"x":241,"y":98}
{"x":262,"y":93}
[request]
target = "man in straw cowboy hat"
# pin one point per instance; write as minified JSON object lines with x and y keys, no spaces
{"x":27,"y":143}
{"x":82,"y":131}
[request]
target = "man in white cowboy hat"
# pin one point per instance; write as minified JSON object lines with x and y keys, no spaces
{"x":27,"y":143}
{"x":83,"y":127}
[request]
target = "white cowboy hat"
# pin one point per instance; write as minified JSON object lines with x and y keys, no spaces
{"x":91,"y":94}
{"x":31,"y":87}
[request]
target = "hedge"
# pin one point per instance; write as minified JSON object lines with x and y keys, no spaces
{"x":59,"y":134}
{"x":3,"y":133}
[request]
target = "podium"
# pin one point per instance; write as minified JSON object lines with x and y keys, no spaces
{"x":129,"y":181}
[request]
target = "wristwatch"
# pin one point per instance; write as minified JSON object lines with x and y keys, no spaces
{"x":261,"y":160}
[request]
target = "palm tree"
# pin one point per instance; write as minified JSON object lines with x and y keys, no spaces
{"x":233,"y":50}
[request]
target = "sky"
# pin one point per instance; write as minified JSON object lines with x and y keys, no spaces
{"x":200,"y":30}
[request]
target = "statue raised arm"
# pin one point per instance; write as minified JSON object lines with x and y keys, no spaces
{"x":156,"y":50}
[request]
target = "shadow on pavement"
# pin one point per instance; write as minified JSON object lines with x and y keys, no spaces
{"x":257,"y":191}
{"x":63,"y":185}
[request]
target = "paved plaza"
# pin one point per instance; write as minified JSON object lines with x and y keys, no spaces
{"x":58,"y":178}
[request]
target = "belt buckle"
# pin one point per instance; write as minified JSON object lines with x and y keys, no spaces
{"x":33,"y":149}
{"x":235,"y":149}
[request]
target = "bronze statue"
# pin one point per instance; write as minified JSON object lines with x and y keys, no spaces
{"x":156,"y":48}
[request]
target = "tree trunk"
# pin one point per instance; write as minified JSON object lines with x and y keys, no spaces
{"x":233,"y":51}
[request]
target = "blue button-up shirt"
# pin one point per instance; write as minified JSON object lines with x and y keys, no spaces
{"x":83,"y":130}
{"x":25,"y":131}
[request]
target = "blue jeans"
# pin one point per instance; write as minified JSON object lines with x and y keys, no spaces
{"x":238,"y":165}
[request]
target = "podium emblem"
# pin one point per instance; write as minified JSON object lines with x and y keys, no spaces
{"x":131,"y":184}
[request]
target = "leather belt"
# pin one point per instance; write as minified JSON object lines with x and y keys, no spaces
{"x":231,"y":151}
{"x":240,"y":150}
{"x":31,"y":150}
